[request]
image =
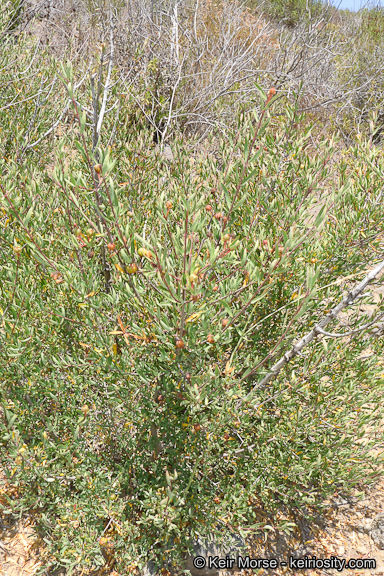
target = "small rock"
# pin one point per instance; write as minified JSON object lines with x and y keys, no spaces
{"x":377,"y":530}
{"x":167,"y":153}
{"x":202,"y":550}
{"x":149,"y":569}
{"x":365,"y":526}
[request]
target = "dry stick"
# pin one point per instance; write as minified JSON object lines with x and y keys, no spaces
{"x":356,"y":331}
{"x":296,"y":349}
{"x":51,"y":129}
{"x":108,"y":82}
{"x":98,"y":118}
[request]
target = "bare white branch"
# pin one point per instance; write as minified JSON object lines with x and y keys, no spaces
{"x":318,"y":329}
{"x":109,"y":73}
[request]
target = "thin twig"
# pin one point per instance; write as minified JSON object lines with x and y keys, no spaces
{"x":356,"y":331}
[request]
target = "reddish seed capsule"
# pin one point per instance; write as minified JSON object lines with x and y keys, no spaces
{"x":168,"y":205}
{"x":208,"y":208}
{"x":218,"y":215}
{"x":226,"y":436}
{"x":197,"y":427}
{"x":271,"y":93}
{"x":210,"y":339}
{"x":224,"y":322}
{"x":111,"y":246}
{"x":180,"y":344}
{"x":57,"y":277}
{"x":215,"y":288}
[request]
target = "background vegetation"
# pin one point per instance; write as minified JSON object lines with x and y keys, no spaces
{"x":145,"y":299}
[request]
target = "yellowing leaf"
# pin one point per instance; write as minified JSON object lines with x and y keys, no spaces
{"x":194,"y":317}
{"x":83,"y":345}
{"x":119,"y":268}
{"x":228,"y":370}
{"x":123,"y":329}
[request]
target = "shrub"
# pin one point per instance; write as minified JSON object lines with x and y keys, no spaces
{"x":292,"y":12}
{"x":142,"y":304}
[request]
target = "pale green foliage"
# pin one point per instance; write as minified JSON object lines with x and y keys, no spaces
{"x":289,"y":13}
{"x":110,"y":427}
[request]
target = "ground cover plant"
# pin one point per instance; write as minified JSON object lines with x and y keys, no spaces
{"x":145,"y":304}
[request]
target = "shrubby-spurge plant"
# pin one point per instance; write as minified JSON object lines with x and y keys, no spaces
{"x":142,"y":304}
